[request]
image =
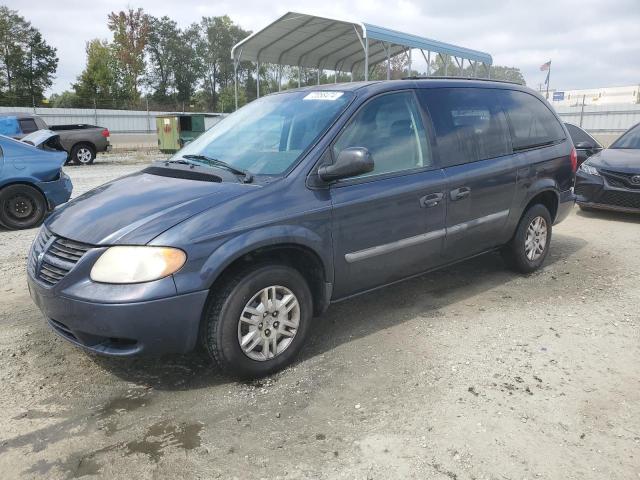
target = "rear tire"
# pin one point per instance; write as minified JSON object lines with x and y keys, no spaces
{"x":249,"y":333}
{"x":21,"y":206}
{"x":83,"y":154}
{"x":528,"y":249}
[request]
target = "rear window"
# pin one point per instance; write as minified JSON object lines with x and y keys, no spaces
{"x":580,"y":136}
{"x":532,"y":123}
{"x":28,"y":125}
{"x":469,"y":124}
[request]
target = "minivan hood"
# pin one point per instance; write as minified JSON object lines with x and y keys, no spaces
{"x":617,"y":159}
{"x":137,"y":208}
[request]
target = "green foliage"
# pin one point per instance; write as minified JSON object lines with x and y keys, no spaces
{"x":65,"y":99}
{"x":218,"y":36}
{"x":27,"y":63}
{"x":130,"y":33}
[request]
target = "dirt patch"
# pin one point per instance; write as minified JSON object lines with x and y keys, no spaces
{"x":468,"y":373}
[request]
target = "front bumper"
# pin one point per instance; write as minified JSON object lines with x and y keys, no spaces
{"x":594,"y":191}
{"x":164,"y":325}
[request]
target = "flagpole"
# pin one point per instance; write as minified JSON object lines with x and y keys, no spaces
{"x":548,"y":77}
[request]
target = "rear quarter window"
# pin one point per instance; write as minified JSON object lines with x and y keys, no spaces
{"x":28,"y":125}
{"x":469,"y":124}
{"x":532,"y":123}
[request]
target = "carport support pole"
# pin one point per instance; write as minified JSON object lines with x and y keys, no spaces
{"x":236,"y":61}
{"x":366,"y":59}
{"x":409,"y":66}
{"x":258,"y":79}
{"x":386,"y":49}
{"x":299,"y":76}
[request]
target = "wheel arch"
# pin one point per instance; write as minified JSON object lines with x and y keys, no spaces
{"x":296,"y":246}
{"x":27,"y":183}
{"x":545,"y":192}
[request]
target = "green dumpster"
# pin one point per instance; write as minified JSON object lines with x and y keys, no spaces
{"x":177,"y":129}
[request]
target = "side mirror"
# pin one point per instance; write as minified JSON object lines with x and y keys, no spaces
{"x":351,"y":162}
{"x":584,"y":146}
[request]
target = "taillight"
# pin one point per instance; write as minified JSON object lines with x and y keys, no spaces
{"x":105,"y":133}
{"x":574,"y":160}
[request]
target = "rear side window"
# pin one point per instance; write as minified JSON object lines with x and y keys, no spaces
{"x":532,"y":123}
{"x":469,"y":124}
{"x":28,"y":125}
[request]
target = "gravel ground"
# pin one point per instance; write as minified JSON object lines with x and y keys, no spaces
{"x":472,"y":372}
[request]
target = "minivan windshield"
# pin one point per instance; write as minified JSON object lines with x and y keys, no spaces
{"x":629,"y":140}
{"x":270,"y":134}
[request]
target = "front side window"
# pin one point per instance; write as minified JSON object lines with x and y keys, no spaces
{"x":469,"y":124}
{"x":390,"y":127}
{"x":270,"y":134}
{"x":630,"y":139}
{"x":532,"y":123}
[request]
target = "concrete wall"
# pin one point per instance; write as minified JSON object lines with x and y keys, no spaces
{"x":604,"y":122}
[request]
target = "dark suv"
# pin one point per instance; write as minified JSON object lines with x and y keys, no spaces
{"x":298,"y":200}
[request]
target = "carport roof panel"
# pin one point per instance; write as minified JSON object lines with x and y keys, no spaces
{"x":312,"y":41}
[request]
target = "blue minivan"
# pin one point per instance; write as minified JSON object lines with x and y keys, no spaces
{"x":298,"y":200}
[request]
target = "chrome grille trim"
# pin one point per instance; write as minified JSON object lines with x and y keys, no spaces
{"x":53,"y":257}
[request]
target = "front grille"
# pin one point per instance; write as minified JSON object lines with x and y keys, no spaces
{"x":619,"y":180}
{"x":60,"y":256}
{"x":620,"y":199}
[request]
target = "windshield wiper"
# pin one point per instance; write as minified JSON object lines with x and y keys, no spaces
{"x":247,"y":176}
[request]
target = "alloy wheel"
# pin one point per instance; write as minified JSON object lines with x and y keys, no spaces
{"x":536,"y":241}
{"x":84,"y":155}
{"x":268,"y":323}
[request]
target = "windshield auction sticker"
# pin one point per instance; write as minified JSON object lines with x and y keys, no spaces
{"x":330,"y":96}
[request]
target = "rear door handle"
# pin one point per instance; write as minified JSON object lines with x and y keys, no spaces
{"x":431,"y":200}
{"x":459,"y":193}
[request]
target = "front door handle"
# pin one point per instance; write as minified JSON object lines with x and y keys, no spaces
{"x":459,"y":193}
{"x":431,"y":200}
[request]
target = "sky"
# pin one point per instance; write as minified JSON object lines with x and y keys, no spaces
{"x":590,"y":43}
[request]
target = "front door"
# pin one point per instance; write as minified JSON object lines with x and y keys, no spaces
{"x":474,"y":147}
{"x":389,"y":223}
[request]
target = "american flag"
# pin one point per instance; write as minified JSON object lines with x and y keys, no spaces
{"x":545,"y":66}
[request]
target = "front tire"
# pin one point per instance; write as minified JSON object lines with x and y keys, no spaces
{"x":21,"y":206}
{"x":258,"y":320}
{"x":83,"y":154}
{"x":528,"y":248}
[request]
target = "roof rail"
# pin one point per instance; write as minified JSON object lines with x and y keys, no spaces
{"x":435,"y":77}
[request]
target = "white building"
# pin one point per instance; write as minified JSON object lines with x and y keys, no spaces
{"x":595,"y":96}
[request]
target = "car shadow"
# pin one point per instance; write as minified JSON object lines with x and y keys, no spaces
{"x":609,"y":215}
{"x":348,"y":320}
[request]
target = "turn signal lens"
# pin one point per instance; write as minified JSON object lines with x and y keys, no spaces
{"x":137,"y":264}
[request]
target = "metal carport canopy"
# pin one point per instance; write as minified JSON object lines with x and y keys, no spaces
{"x":302,"y":40}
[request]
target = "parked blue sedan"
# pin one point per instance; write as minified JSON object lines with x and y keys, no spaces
{"x":32,"y":182}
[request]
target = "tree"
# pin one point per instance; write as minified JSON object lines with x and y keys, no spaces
{"x":162,"y":50}
{"x":187,"y":67}
{"x":65,"y":99}
{"x":498,"y":72}
{"x":219,"y":35}
{"x":27,"y":63}
{"x":101,"y":82}
{"x":130,"y":34}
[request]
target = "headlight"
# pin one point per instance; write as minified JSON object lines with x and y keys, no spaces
{"x":137,"y":264}
{"x":586,"y":168}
